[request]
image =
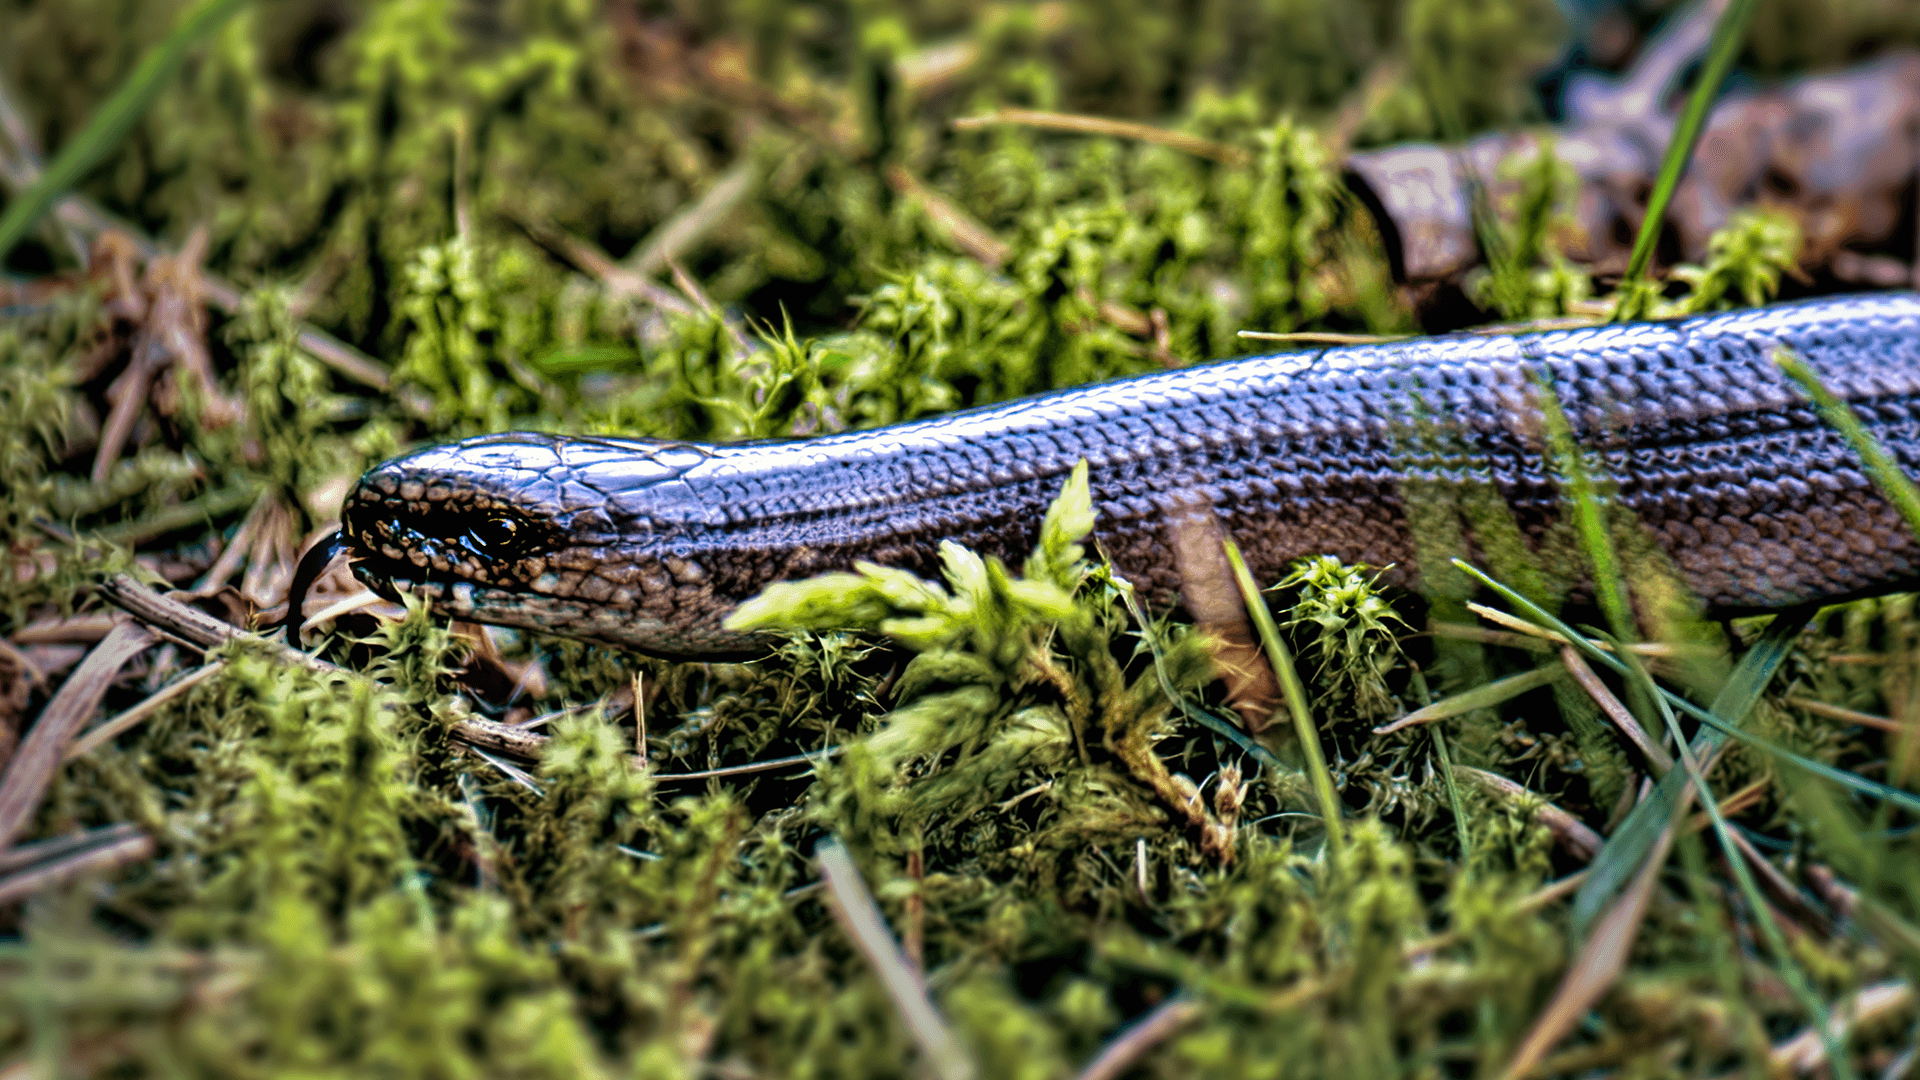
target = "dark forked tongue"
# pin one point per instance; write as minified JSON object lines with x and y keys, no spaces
{"x":312,"y":565}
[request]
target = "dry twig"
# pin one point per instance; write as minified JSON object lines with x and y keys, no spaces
{"x":854,"y":909}
{"x":1845,"y":715}
{"x":1574,"y":835}
{"x":1142,"y":1035}
{"x":962,"y":229}
{"x":105,"y":733}
{"x":1121,"y":129}
{"x":1807,"y":1051}
{"x":677,"y":235}
{"x":40,"y":753}
{"x":1650,"y":750}
{"x":31,"y":868}
{"x":198,"y":630}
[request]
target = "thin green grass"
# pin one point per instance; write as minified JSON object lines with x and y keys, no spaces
{"x":1789,"y":968}
{"x":1484,"y":696}
{"x":997,"y":785}
{"x":104,"y":130}
{"x":1886,"y":472}
{"x":1634,"y":297}
{"x":1627,"y":848}
{"x":1454,"y":801}
{"x":1189,"y":708}
{"x":1296,"y":696}
{"x":1589,"y":514}
{"x":1894,"y":796}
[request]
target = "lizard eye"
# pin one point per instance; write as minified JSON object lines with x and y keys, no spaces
{"x":496,"y":536}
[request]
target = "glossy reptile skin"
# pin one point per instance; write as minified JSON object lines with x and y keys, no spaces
{"x":1723,"y":462}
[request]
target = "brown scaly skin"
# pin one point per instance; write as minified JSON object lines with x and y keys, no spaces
{"x":1724,"y":464}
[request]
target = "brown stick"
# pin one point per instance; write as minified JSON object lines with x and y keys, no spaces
{"x":186,"y":624}
{"x":1100,"y":125}
{"x":1573,"y":834}
{"x":109,"y":730}
{"x":1806,"y":1052}
{"x":1780,"y":886}
{"x":963,"y":229}
{"x":59,"y":847}
{"x":584,"y":256}
{"x":1119,"y":1055}
{"x":198,"y":630}
{"x":195,"y":628}
{"x":1846,"y":716}
{"x":31,"y":769}
{"x":679,"y":233}
{"x":1616,"y":712}
{"x":56,"y":861}
{"x":859,"y":915}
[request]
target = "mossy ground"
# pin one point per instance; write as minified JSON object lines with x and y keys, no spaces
{"x":1023,"y":773}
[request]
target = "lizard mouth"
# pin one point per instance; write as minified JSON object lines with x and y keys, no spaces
{"x":392,"y":578}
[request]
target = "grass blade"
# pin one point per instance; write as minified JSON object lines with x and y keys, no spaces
{"x":1480,"y":697}
{"x":1594,"y":969}
{"x":1589,"y":517}
{"x":1744,"y":686}
{"x":1446,"y":769}
{"x":1627,"y":853}
{"x":1906,"y":800}
{"x":1727,"y":35}
{"x":1454,"y":802}
{"x":1637,"y":834}
{"x":1199,"y":714}
{"x":1628,"y":845}
{"x":1627,"y":848}
{"x":1296,"y":695}
{"x":1743,"y":875}
{"x":1609,"y":582}
{"x":105,"y":128}
{"x":1886,"y":472}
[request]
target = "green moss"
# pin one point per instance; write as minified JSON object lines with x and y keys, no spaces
{"x":340,"y":888}
{"x":36,"y":410}
{"x":1354,"y":630}
{"x":1471,"y":57}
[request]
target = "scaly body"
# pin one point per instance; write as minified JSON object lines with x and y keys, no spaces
{"x":1723,"y":462}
